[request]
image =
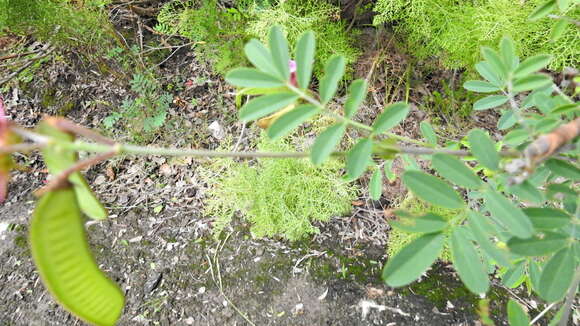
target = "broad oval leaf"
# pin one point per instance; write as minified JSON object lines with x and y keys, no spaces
{"x":490,"y":102}
{"x":357,"y":93}
{"x":305,"y":58}
{"x":266,"y":104}
{"x":487,"y":72}
{"x":543,"y":10}
{"x":480,"y":86}
{"x":326,"y":142}
{"x":427,"y":223}
{"x":279,"y":50}
{"x":558,"y":30}
{"x":563,"y":169}
{"x":531,"y":82}
{"x":514,"y":276}
{"x":508,"y":53}
{"x":432,"y":189}
{"x":557,"y":275}
{"x":526,"y":191}
{"x":333,"y":72}
{"x":61,"y":254}
{"x":508,"y":119}
{"x":413,"y":260}
{"x":478,"y":225}
{"x":516,"y":314}
{"x":483,"y":148}
{"x":358,"y":158}
{"x":516,"y":137}
{"x":531,"y":65}
{"x":58,"y":159}
{"x":543,"y":245}
{"x":509,"y":214}
{"x":376,"y":185}
{"x":248,"y":77}
{"x":495,"y":61}
{"x":428,"y":132}
{"x":392,"y":116}
{"x":455,"y":171}
{"x":260,"y":57}
{"x":290,"y":120}
{"x":547,"y":218}
{"x":468,"y":262}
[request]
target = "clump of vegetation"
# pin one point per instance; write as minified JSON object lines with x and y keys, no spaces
{"x":63,"y":23}
{"x":456,"y":30}
{"x":221,"y":33}
{"x":398,"y":239}
{"x":279,"y":197}
{"x":298,"y":16}
{"x":144,"y":114}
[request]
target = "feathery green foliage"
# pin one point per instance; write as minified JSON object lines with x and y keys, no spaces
{"x":279,"y":197}
{"x":61,"y":22}
{"x":456,"y":30}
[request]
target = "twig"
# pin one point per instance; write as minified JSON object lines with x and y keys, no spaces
{"x":569,"y":299}
{"x":46,"y":50}
{"x":62,"y":178}
{"x":542,"y":313}
{"x":18,"y":55}
{"x":20,"y":148}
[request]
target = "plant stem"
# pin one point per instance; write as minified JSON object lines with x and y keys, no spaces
{"x":341,"y":118}
{"x":570,"y":299}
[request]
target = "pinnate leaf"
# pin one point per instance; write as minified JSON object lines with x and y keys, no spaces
{"x":455,"y":171}
{"x":468,"y":262}
{"x":483,"y":149}
{"x":333,"y":72}
{"x":357,"y":93}
{"x":279,"y":50}
{"x":247,"y":77}
{"x":358,"y":158}
{"x":490,"y":102}
{"x":290,"y":120}
{"x":509,"y":214}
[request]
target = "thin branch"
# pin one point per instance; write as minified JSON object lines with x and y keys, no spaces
{"x":20,"y":148}
{"x":570,"y":20}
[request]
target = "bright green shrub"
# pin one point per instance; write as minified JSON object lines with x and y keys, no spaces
{"x":60,"y":22}
{"x":456,"y":30}
{"x":298,"y":16}
{"x":279,"y":197}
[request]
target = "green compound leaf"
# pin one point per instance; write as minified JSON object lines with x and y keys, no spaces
{"x":392,"y":116}
{"x":287,"y":122}
{"x":432,"y":189}
{"x":428,"y":132}
{"x":427,"y":223}
{"x":543,"y":245}
{"x":490,"y":102}
{"x":265,"y":105}
{"x":260,"y":57}
{"x":509,"y":214}
{"x":531,"y":82}
{"x":543,"y":10}
{"x":563,"y":169}
{"x":61,"y":254}
{"x":333,"y":72}
{"x":516,"y":314}
{"x":557,"y":275}
{"x":305,"y":58}
{"x":413,"y":260}
{"x":531,"y":65}
{"x":455,"y":171}
{"x":376,"y":184}
{"x":59,"y":159}
{"x":468,"y":262}
{"x":248,"y":77}
{"x":480,"y":86}
{"x":279,"y":50}
{"x":326,"y":142}
{"x":357,"y":93}
{"x":358,"y":158}
{"x":487,"y":72}
{"x":483,"y":148}
{"x":495,"y":61}
{"x":547,"y":218}
{"x":479,"y":226}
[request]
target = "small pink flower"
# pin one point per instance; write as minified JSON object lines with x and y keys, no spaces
{"x":292,"y":66}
